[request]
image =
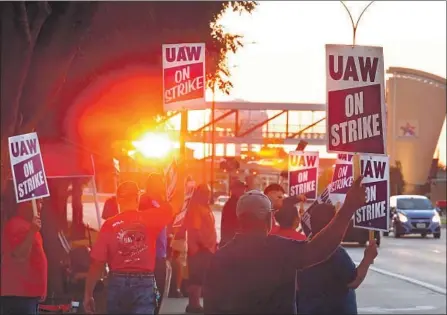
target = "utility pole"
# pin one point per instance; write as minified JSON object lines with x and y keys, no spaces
{"x":182,"y":140}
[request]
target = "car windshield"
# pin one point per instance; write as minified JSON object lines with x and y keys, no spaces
{"x":222,"y":199}
{"x":414,"y":204}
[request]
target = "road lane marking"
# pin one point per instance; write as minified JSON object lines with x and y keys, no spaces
{"x":423,"y":284}
{"x":381,"y":310}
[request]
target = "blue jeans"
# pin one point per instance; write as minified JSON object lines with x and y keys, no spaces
{"x":18,"y":305}
{"x":131,"y":294}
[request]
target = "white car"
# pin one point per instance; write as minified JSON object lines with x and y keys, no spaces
{"x":221,"y":200}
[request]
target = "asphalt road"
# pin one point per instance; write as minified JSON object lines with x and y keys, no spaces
{"x":378,"y":294}
{"x":423,"y":259}
{"x":414,"y":258}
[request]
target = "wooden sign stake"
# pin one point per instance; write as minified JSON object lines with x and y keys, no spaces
{"x":356,"y":169}
{"x":34,"y":204}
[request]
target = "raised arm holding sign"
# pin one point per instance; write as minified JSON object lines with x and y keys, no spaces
{"x":30,"y":182}
{"x":24,"y":263}
{"x":356,"y":116}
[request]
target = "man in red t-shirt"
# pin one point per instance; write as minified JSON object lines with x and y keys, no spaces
{"x":24,"y":263}
{"x":126,"y":242}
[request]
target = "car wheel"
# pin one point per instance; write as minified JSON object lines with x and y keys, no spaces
{"x":437,"y":235}
{"x":386,"y":233}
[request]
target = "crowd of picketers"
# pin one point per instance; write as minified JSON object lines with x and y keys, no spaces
{"x":263,"y":263}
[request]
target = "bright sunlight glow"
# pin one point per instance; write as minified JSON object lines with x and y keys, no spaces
{"x":154,"y":145}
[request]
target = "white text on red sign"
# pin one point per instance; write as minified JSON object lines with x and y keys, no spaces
{"x":304,"y":185}
{"x":355,"y":129}
{"x":184,"y":84}
{"x":342,"y":180}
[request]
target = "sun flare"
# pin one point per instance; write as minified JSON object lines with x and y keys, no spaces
{"x":154,"y":145}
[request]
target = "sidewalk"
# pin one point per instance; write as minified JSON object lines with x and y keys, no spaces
{"x":377,"y":295}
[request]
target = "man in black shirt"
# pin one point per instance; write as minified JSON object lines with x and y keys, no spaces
{"x":229,"y":223}
{"x":255,"y":273}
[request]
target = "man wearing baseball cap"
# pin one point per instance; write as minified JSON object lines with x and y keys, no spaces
{"x":127,"y":244}
{"x":255,"y":273}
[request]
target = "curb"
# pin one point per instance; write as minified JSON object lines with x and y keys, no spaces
{"x":423,"y":284}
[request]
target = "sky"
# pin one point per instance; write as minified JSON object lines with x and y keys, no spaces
{"x":284,"y":60}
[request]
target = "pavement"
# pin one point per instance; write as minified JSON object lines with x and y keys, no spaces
{"x":408,"y":276}
{"x":422,"y":259}
{"x":377,"y":295}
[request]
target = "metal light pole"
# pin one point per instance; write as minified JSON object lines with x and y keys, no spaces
{"x":355,"y":25}
{"x":356,"y":158}
{"x":205,"y":151}
{"x":182,"y":153}
{"x":213,"y":140}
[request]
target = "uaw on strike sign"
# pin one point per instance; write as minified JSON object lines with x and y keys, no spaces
{"x":342,"y":178}
{"x":190,"y":187}
{"x":171,"y":175}
{"x":355,"y":99}
{"x":184,"y":76}
{"x":374,"y":215}
{"x":303,"y":174}
{"x":28,"y":173}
